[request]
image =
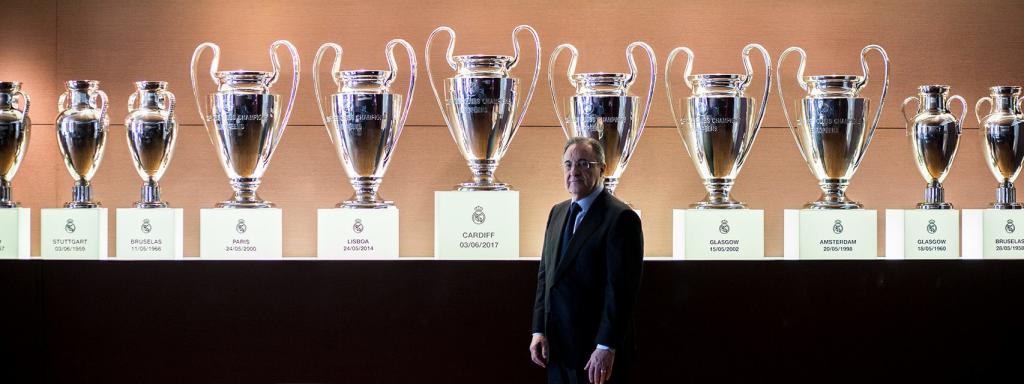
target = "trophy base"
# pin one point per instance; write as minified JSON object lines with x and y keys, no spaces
{"x":245,"y":204}
{"x":934,"y":206}
{"x":1006,"y":206}
{"x":719,"y":205}
{"x":8,"y":204}
{"x":471,"y":187}
{"x":352,"y":204}
{"x":82,"y":204}
{"x":150,"y":204}
{"x":833,"y":205}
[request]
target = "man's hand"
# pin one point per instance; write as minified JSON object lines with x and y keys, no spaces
{"x":599,"y":368}
{"x":539,"y":350}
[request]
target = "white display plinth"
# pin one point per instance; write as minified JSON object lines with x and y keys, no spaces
{"x":922,"y":234}
{"x":347,"y":233}
{"x":150,"y":234}
{"x":15,"y":233}
{"x":813,"y":234}
{"x":476,"y":225}
{"x":718,"y":234}
{"x":993,"y":234}
{"x":240,"y":234}
{"x":73,"y":233}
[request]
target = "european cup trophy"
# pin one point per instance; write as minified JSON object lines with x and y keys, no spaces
{"x":603,"y":109}
{"x":1003,"y":128}
{"x":720,"y":123}
{"x":82,"y":135}
{"x":831,"y":129}
{"x":15,"y":127}
{"x":247,"y":120}
{"x":365,"y":119}
{"x":151,"y":132}
{"x":935,"y":135}
{"x":480,"y":103}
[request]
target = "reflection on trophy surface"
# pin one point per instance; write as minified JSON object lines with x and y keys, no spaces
{"x":831,"y":130}
{"x":151,"y":132}
{"x":1003,"y":127}
{"x":15,"y":127}
{"x":720,"y":125}
{"x":248,"y":125}
{"x":603,"y":109}
{"x":480,"y":106}
{"x":934,"y":135}
{"x":366,"y":119}
{"x":81,"y":135}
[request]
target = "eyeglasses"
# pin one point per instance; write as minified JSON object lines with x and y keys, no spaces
{"x":580,"y":164}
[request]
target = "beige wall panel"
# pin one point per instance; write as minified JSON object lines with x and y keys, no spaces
{"x":952,"y":42}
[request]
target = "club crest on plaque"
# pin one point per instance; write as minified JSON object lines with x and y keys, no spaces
{"x":1010,"y":228}
{"x":241,"y":227}
{"x":478,"y":215}
{"x":838,"y":227}
{"x":146,"y":226}
{"x":357,"y":227}
{"x":724,"y":228}
{"x":932,"y":228}
{"x":70,"y":226}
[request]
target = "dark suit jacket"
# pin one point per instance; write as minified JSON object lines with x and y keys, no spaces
{"x":588,"y":297}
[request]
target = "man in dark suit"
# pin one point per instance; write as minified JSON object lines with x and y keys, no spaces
{"x":588,"y":278}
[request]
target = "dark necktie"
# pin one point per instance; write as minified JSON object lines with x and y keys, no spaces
{"x":570,"y":224}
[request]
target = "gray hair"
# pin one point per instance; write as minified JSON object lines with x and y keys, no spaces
{"x":594,"y":146}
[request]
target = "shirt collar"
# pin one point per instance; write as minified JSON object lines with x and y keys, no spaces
{"x":589,"y":199}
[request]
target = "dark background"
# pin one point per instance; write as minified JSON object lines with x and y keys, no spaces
{"x":469,"y":322}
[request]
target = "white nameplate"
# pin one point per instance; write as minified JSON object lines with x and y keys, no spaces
{"x":830,"y":234}
{"x":73,"y":233}
{"x":922,"y":234}
{"x":1000,"y":234}
{"x":150,"y":234}
{"x":476,"y":225}
{"x":15,"y":233}
{"x":346,"y":233}
{"x":718,"y":234}
{"x":240,"y":234}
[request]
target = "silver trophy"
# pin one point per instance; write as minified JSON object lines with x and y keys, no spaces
{"x":603,"y":109}
{"x":935,"y":135}
{"x":82,"y":135}
{"x":831,"y":130}
{"x":15,"y":127}
{"x":365,"y":120}
{"x":480,"y":103}
{"x":720,"y":124}
{"x":247,"y":120}
{"x":1003,"y":127}
{"x":151,"y":133}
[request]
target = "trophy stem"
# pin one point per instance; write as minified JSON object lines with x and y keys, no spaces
{"x":610,"y":183}
{"x":1006,"y":197}
{"x":718,"y":196}
{"x":365,"y":195}
{"x":245,"y":195}
{"x":483,"y":177}
{"x":150,"y":196}
{"x":833,"y":196}
{"x":81,"y":196}
{"x":934,"y":197}
{"x":5,"y":195}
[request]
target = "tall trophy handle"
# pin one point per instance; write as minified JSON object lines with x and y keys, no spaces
{"x":668,"y":79}
{"x":335,"y":67}
{"x":764,"y":100}
{"x":903,"y":110}
{"x":573,"y":57}
{"x":389,"y":51}
{"x":24,"y":111}
{"x":963,"y":112}
{"x":295,"y":87}
{"x":62,"y":102}
{"x":977,"y":108}
{"x":881,"y":100}
{"x":524,"y":103}
{"x":103,"y":108}
{"x":1018,"y":104}
{"x":650,"y":90}
{"x":171,"y":103}
{"x":195,"y":84}
{"x":800,"y":81}
{"x":430,"y":74}
{"x":131,"y":101}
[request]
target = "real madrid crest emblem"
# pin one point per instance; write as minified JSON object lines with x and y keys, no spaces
{"x":1010,"y":228}
{"x":70,"y":226}
{"x":932,"y":228}
{"x":241,"y":227}
{"x":357,"y":227}
{"x":838,"y":227}
{"x":146,"y":227}
{"x":724,"y":228}
{"x":478,"y":215}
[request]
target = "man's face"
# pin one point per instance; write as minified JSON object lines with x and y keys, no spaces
{"x":581,"y":181}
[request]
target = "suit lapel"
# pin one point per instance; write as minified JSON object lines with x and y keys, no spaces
{"x":587,"y":228}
